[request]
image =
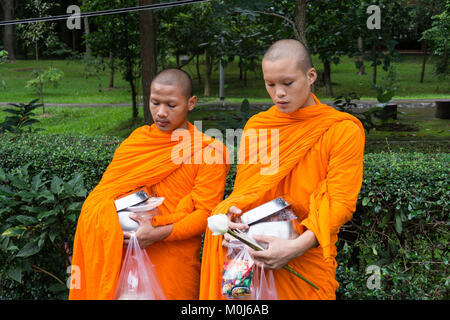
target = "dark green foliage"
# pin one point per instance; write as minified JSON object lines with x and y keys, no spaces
{"x":38,"y":218}
{"x":60,"y":155}
{"x":21,"y":117}
{"x":401,"y":225}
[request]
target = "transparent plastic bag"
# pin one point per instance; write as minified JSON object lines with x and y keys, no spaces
{"x":138,"y":279}
{"x":241,"y":279}
{"x":263,"y":285}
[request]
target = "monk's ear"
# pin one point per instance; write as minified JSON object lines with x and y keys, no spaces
{"x":311,"y":75}
{"x":192,"y":102}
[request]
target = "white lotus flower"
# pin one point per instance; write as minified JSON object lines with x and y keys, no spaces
{"x":218,"y":224}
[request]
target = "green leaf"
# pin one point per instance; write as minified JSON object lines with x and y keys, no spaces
{"x":14,"y":231}
{"x":26,"y":220}
{"x":29,"y":249}
{"x":365,"y":201}
{"x":15,"y":273}
{"x":56,"y":185}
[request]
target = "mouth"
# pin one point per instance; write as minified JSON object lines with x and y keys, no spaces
{"x":162,"y":123}
{"x":282,"y":103}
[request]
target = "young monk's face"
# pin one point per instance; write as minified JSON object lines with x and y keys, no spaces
{"x":169,"y":106}
{"x":288,"y":85}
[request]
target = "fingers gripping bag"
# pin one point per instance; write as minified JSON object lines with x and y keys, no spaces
{"x":241,"y":279}
{"x":138,"y":279}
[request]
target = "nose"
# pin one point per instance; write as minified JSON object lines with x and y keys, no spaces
{"x":162,"y":111}
{"x":280,"y":92}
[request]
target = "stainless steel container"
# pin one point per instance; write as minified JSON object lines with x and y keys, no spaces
{"x":257,"y":218}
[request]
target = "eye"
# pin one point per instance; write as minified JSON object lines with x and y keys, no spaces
{"x":171,"y":106}
{"x":155,"y":103}
{"x":270,"y":84}
{"x":288,"y":83}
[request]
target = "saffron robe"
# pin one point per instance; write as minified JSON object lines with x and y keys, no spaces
{"x":191,"y":190}
{"x":320,"y":169}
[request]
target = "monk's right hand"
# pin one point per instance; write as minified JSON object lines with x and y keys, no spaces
{"x":233,"y":225}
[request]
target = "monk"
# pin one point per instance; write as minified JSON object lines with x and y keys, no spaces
{"x":320,"y":168}
{"x":171,"y":236}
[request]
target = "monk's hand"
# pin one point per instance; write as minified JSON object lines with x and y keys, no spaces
{"x":146,"y":233}
{"x":280,"y":251}
{"x":233,"y":225}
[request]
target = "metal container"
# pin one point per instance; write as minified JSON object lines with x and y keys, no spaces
{"x":254,"y":217}
{"x":131,"y":200}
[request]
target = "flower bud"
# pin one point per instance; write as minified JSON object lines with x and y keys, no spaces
{"x":218,"y":224}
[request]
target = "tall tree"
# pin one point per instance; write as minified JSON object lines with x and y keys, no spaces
{"x":119,"y":34}
{"x":8,"y":33}
{"x":147,"y":36}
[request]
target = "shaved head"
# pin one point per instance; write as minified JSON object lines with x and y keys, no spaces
{"x":290,"y":48}
{"x":175,"y":77}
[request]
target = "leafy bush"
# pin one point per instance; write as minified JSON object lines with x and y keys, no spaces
{"x":401,"y":226}
{"x":61,"y":155}
{"x":38,"y":219}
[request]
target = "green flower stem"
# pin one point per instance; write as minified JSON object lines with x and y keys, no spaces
{"x":286,"y":267}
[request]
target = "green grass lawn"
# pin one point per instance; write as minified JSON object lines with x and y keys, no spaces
{"x":76,"y":88}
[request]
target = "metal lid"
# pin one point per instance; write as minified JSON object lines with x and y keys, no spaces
{"x":264,"y":211}
{"x":131,"y":200}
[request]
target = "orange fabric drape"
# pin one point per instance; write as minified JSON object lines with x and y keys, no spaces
{"x":145,"y":158}
{"x":319,"y":168}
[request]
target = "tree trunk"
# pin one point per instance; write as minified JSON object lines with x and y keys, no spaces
{"x":87,"y":31}
{"x":361,"y":69}
{"x":424,"y":60}
{"x":327,"y":78}
{"x":300,"y":20}
{"x":208,"y":71}
{"x":111,"y":70}
{"x":133,"y":98}
{"x":375,"y":61}
{"x":197,"y":65}
{"x":240,"y":68}
{"x":41,"y":89}
{"x":8,"y":35}
{"x":148,"y":31}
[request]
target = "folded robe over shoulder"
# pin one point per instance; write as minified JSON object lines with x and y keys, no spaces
{"x":319,"y":168}
{"x":151,"y":158}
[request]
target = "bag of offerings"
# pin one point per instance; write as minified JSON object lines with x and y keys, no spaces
{"x":242,"y":279}
{"x":137,"y":279}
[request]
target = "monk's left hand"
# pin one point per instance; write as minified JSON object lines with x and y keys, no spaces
{"x":277,"y":255}
{"x":147,"y":234}
{"x":280,"y":251}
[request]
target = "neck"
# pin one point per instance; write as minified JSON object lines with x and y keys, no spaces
{"x":309,"y":102}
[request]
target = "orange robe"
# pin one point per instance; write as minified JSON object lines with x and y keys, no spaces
{"x":191,"y":190}
{"x":320,"y":170}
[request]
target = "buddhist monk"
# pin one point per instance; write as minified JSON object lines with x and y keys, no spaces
{"x":172,"y":235}
{"x":319,"y":172}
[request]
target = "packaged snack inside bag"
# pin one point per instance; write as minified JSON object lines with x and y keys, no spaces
{"x":237,"y":272}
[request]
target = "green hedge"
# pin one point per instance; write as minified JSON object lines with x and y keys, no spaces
{"x":400,"y":227}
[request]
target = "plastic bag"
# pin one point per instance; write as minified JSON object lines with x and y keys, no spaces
{"x":241,"y":279}
{"x":138,"y":279}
